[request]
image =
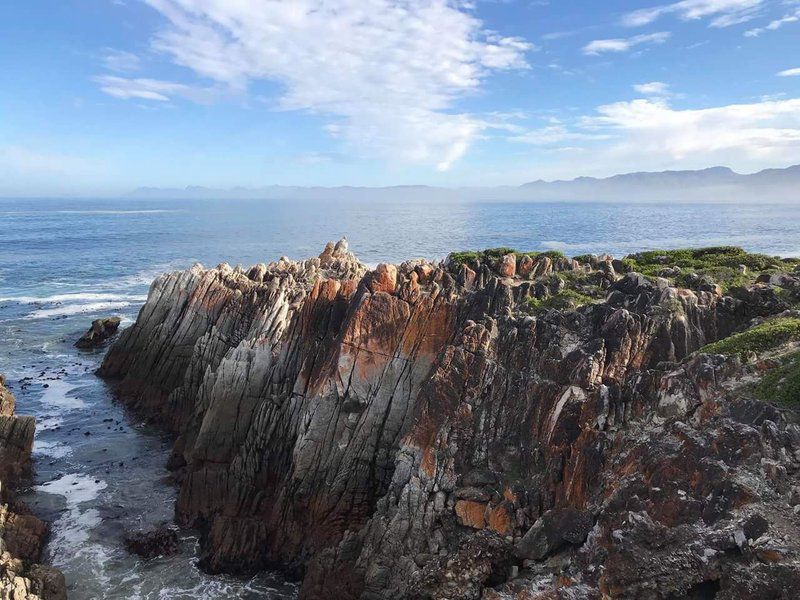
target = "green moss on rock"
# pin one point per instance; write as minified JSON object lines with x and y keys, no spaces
{"x":565,"y":300}
{"x":757,"y":339}
{"x":781,"y":384}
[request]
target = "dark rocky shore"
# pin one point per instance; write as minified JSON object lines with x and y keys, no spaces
{"x":500,"y":425}
{"x":22,"y":535}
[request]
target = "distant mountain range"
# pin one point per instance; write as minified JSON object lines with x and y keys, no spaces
{"x":717,"y":184}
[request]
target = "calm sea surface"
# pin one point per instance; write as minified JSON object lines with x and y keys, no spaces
{"x":98,"y":469}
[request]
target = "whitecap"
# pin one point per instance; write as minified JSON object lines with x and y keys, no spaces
{"x":75,"y":297}
{"x":51,"y":449}
{"x":68,"y":310}
{"x":76,"y":488}
{"x":58,"y":395}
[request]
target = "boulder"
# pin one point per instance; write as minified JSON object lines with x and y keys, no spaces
{"x":100,"y":331}
{"x":161,"y":541}
{"x":555,"y":529}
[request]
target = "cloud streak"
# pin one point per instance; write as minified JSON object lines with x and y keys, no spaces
{"x":792,"y":17}
{"x":723,"y":13}
{"x":598,"y":47}
{"x":387,"y":72}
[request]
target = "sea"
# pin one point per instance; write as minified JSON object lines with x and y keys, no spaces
{"x":99,"y":470}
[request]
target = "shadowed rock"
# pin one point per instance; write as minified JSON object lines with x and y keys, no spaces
{"x":22,"y":535}
{"x":161,"y":541}
{"x":98,"y":333}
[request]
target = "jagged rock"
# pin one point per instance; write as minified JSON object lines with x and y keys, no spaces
{"x":99,"y":332}
{"x":401,"y":432}
{"x":161,"y":541}
{"x":555,"y":529}
{"x":22,"y":535}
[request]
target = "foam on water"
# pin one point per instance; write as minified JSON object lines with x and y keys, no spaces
{"x":59,"y":395}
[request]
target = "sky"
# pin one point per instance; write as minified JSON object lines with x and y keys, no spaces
{"x":104,"y":96}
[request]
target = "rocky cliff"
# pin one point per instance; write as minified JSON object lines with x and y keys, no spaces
{"x":21,"y":534}
{"x":500,"y":425}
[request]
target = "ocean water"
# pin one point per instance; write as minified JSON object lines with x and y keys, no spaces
{"x":99,"y":470}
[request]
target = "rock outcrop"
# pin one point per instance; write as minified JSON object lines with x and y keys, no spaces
{"x":100,"y":331}
{"x":494,"y":426}
{"x":21,"y":534}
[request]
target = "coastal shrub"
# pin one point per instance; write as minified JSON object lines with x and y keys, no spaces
{"x":760,"y":338}
{"x":781,"y":384}
{"x":722,"y":264}
{"x":492,"y":256}
{"x":565,"y":300}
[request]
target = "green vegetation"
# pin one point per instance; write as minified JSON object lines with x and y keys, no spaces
{"x":781,"y":384}
{"x":565,"y":300}
{"x":492,"y":256}
{"x":760,"y":338}
{"x":721,"y":264}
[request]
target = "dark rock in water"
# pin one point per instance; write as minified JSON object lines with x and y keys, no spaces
{"x":22,"y":535}
{"x":162,"y":541}
{"x":99,"y":332}
{"x":418,"y":431}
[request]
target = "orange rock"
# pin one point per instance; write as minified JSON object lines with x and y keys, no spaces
{"x":384,"y":279}
{"x":500,"y":520}
{"x":424,"y":272}
{"x":471,"y":514}
{"x":508,"y":267}
{"x":525,"y":266}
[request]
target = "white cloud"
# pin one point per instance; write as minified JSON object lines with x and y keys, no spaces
{"x":789,"y":72}
{"x":624,"y":44}
{"x":120,"y":61}
{"x":736,"y":134}
{"x":151,"y":89}
{"x":724,"y":12}
{"x":776,"y":24}
{"x":652,"y":135}
{"x":653,"y":88}
{"x":389,"y":71}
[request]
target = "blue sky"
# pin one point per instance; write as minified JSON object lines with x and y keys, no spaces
{"x":102,"y":96}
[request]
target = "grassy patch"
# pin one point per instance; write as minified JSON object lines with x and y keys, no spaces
{"x":492,"y":256}
{"x":720,"y":264}
{"x":760,"y":338}
{"x":781,"y":384}
{"x":564,"y":300}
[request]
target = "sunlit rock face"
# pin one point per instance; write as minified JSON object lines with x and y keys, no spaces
{"x":449,"y":430}
{"x":22,"y":535}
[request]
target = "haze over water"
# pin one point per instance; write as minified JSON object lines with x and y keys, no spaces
{"x":66,"y":262}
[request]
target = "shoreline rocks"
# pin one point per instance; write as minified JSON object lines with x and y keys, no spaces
{"x":161,"y":541}
{"x":22,"y":535}
{"x":468,"y":430}
{"x":99,"y":332}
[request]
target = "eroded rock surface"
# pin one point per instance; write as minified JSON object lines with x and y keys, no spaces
{"x":21,"y":534}
{"x":532,"y":428}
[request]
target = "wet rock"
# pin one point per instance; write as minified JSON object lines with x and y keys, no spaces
{"x":161,"y":541}
{"x":100,"y":331}
{"x":22,"y":535}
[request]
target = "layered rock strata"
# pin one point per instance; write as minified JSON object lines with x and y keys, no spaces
{"x":22,"y":535}
{"x":438,"y":430}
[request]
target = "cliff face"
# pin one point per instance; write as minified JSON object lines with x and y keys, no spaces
{"x":451,"y":431}
{"x":21,"y":534}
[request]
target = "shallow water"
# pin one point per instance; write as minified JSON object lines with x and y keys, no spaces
{"x":99,"y":470}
